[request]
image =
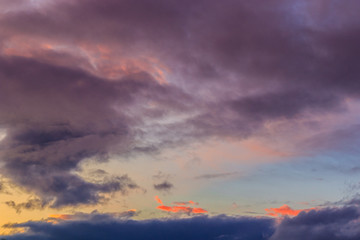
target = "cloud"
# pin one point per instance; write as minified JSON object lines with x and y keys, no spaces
{"x":164,"y":186}
{"x":31,"y":204}
{"x":285,"y":210}
{"x":329,"y":223}
{"x":218,"y":227}
{"x":67,"y":116}
{"x":159,"y":74}
{"x":98,"y":173}
{"x":93,"y":216}
{"x":158,"y":200}
{"x":344,"y":139}
{"x":276,"y":63}
{"x":216,"y":175}
{"x":180,"y":207}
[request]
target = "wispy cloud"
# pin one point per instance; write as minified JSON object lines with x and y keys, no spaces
{"x":216,"y":175}
{"x":106,"y":226}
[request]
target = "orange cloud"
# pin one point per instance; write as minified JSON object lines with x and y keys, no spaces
{"x":173,"y":209}
{"x":180,"y":207}
{"x":285,"y":210}
{"x":158,"y":200}
{"x":199,"y":210}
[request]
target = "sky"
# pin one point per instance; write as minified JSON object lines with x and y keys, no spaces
{"x":169,"y":119}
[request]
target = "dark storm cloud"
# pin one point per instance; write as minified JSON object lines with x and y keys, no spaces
{"x":326,"y":224}
{"x":163,"y":186}
{"x":220,"y":227}
{"x":272,"y":44}
{"x":234,"y":65}
{"x":29,"y":205}
{"x":11,"y":5}
{"x":269,"y":106}
{"x":333,"y":223}
{"x":55,"y":117}
{"x":95,"y":216}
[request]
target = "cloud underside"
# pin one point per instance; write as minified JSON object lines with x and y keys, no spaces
{"x":336,"y":223}
{"x":164,"y":186}
{"x":220,"y":227}
{"x":116,"y":81}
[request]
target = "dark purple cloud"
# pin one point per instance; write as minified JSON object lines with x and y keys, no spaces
{"x":243,"y":64}
{"x":232,"y":66}
{"x":29,"y":205}
{"x":107,"y":227}
{"x":329,"y":224}
{"x":55,"y":117}
{"x":332,"y":223}
{"x":338,"y":222}
{"x":163,"y":186}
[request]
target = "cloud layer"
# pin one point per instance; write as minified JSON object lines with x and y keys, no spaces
{"x":101,"y":227}
{"x":334,"y":223}
{"x":92,"y":79}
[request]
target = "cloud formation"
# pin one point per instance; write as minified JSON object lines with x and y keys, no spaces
{"x":29,"y":205}
{"x":330,"y":223}
{"x":180,"y":207}
{"x":164,"y":186}
{"x":66,"y":116}
{"x":219,"y":227}
{"x":216,"y":175}
{"x":285,"y":210}
{"x":159,"y":74}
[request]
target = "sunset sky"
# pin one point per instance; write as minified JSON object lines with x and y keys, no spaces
{"x":180,"y":119}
